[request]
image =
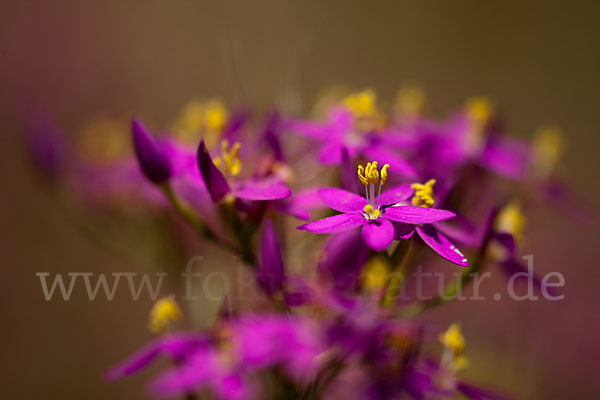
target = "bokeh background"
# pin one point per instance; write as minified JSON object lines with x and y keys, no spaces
{"x":539,"y":60}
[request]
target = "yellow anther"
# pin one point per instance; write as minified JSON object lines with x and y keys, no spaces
{"x":375,"y":274}
{"x":215,"y":115}
{"x":230,"y":157}
{"x":370,"y":175}
{"x":384,"y":173}
{"x":548,"y":149}
{"x":410,"y":100}
{"x":164,"y":312}
{"x":479,"y":110}
{"x":376,"y":213}
{"x":361,"y":175}
{"x":453,"y":339}
{"x":423,"y":196}
{"x":511,"y":220}
{"x":361,"y":104}
{"x":368,"y":209}
{"x":201,"y":118}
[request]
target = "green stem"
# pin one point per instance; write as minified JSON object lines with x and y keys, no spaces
{"x":186,"y":212}
{"x":455,"y":286}
{"x":400,"y":262}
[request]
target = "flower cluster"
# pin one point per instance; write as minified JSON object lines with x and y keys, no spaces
{"x":392,"y":188}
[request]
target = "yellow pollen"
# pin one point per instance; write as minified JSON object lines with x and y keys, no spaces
{"x":370,"y":175}
{"x":511,"y":220}
{"x":164,"y":312}
{"x":375,"y":274}
{"x":230,"y":158}
{"x":368,"y":209}
{"x":479,"y":110}
{"x":361,"y":104}
{"x":454,"y":341}
{"x":548,"y":149}
{"x":423,"y":196}
{"x":384,"y":173}
{"x":201,"y":118}
{"x":376,"y":213}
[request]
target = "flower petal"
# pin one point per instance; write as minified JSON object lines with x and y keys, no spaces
{"x":417,"y":215}
{"x":213,"y":178}
{"x":441,"y":245}
{"x":341,"y":200}
{"x":336,"y":224}
{"x":331,"y":153}
{"x":262,"y":189}
{"x":395,"y":195}
{"x":151,"y":158}
{"x":378,"y":234}
{"x":270,"y":274}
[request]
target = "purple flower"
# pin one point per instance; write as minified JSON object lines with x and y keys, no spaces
{"x":46,"y":146}
{"x":270,"y":188}
{"x":270,"y":274}
{"x":151,"y":157}
{"x":339,"y":135}
{"x":379,"y":215}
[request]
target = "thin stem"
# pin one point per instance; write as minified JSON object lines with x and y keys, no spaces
{"x":456,"y":285}
{"x":400,"y":261}
{"x":187,"y":214}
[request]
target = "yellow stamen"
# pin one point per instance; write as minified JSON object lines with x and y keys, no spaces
{"x":164,"y":312}
{"x":384,"y":173}
{"x":375,"y":274}
{"x":370,"y":175}
{"x":215,"y":115}
{"x":229,"y":159}
{"x":479,"y":110}
{"x":423,"y":196}
{"x":361,"y":104}
{"x":511,"y":220}
{"x":454,"y":341}
{"x":548,"y":149}
{"x":201,"y":118}
{"x":368,"y":209}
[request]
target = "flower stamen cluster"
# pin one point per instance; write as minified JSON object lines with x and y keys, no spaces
{"x":229,"y":159}
{"x":423,"y":196}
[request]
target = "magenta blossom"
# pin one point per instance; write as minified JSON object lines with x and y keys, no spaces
{"x":379,"y":215}
{"x":268,"y":188}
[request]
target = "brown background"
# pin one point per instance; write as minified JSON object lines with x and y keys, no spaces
{"x":75,"y":59}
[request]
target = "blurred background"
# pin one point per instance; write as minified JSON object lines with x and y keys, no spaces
{"x":75,"y":60}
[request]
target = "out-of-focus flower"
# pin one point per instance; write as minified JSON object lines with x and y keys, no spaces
{"x":339,"y":134}
{"x":270,"y":274}
{"x":250,"y":189}
{"x":46,"y":147}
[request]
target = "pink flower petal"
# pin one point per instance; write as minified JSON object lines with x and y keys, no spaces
{"x":441,"y":245}
{"x":336,"y":224}
{"x":417,"y":215}
{"x":378,"y":234}
{"x":262,"y":189}
{"x":342,"y":201}
{"x":395,"y":195}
